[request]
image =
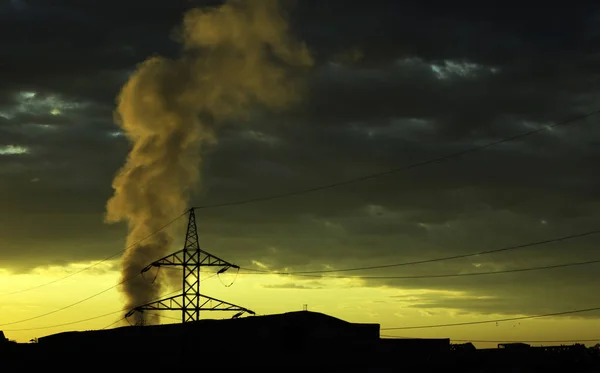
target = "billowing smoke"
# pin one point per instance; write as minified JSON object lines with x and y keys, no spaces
{"x":234,"y":58}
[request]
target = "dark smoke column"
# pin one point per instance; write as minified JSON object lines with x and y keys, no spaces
{"x":234,"y":58}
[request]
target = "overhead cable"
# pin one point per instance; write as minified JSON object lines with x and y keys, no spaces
{"x":459,"y":256}
{"x":96,"y":263}
{"x":495,"y":320}
{"x":70,"y":305}
{"x":87,"y":319}
{"x":440,"y":159}
{"x":445,"y":275}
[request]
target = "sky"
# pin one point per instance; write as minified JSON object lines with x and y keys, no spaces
{"x":391,"y":84}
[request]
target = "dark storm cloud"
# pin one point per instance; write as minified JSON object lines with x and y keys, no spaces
{"x":396,"y":84}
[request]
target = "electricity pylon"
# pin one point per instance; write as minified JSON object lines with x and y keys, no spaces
{"x":190,"y":302}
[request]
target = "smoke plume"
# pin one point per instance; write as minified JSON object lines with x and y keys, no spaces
{"x":233,"y":58}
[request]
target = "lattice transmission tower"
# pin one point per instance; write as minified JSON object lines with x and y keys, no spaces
{"x":190,"y":302}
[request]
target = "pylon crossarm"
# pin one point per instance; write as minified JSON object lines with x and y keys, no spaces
{"x":176,"y":303}
{"x":171,"y":303}
{"x":192,"y":258}
{"x":219,"y":305}
{"x":207,"y":259}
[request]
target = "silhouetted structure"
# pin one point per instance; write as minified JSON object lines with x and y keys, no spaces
{"x":463,"y":347}
{"x":190,"y":302}
{"x":292,"y":342}
{"x":514,"y":346}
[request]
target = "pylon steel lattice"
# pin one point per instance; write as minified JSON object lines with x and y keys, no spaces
{"x":190,"y":302}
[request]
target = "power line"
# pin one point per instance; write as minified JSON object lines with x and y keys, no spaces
{"x":493,"y":321}
{"x":504,"y":341}
{"x":328,"y":186}
{"x":97,"y":263}
{"x":322,"y":187}
{"x":63,"y":324}
{"x":111,"y":324}
{"x":447,"y":274}
{"x":354,"y":269}
{"x":91,"y":318}
{"x":536,"y":243}
{"x":527,"y":340}
{"x":72,"y":304}
{"x":404,"y":168}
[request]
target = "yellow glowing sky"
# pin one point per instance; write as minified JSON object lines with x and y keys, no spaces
{"x":343,"y":298}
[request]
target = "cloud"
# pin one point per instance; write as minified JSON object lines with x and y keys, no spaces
{"x":541,"y":302}
{"x":426,"y":84}
{"x":291,"y":285}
